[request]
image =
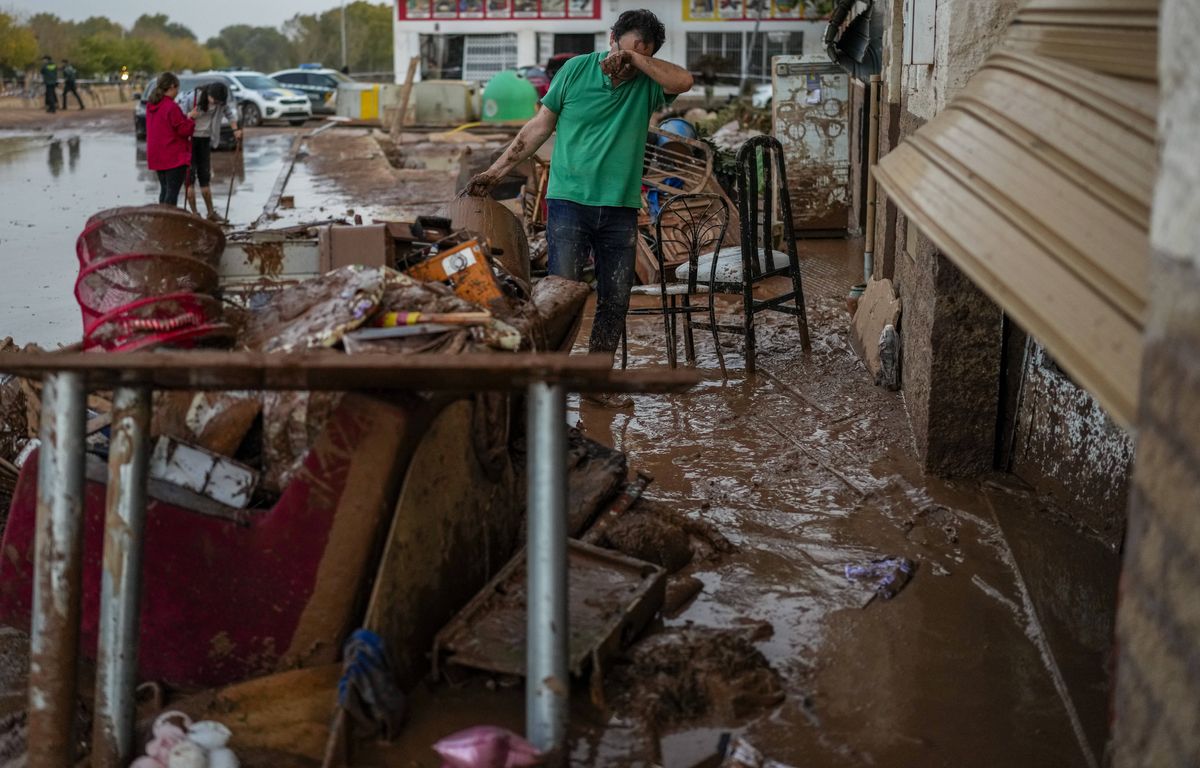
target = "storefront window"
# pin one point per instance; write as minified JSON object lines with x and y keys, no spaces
{"x":449,"y":10}
{"x":723,"y":55}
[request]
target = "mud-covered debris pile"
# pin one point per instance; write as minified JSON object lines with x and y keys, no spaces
{"x":688,"y":674}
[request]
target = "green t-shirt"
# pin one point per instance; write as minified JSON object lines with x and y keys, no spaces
{"x":601,"y":133}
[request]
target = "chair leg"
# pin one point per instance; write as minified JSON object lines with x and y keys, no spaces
{"x":689,"y":342}
{"x":748,"y":320}
{"x":666,"y":317}
{"x":802,"y":318}
{"x":624,"y":345}
{"x":712,"y":323}
{"x":673,"y":341}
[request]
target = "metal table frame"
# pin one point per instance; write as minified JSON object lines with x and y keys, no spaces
{"x":67,"y":377}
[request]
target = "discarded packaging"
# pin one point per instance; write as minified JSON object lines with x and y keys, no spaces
{"x":486,"y":746}
{"x":888,"y":575}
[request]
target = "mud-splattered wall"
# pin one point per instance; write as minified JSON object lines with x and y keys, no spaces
{"x":1065,"y":444}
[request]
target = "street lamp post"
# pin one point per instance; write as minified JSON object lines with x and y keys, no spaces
{"x":343,"y":34}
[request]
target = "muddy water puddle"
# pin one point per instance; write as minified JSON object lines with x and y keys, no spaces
{"x":51,"y":184}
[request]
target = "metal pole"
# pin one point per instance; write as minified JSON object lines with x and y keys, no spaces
{"x":58,"y":555}
{"x":121,"y":579}
{"x":547,"y":685}
{"x":343,"y":33}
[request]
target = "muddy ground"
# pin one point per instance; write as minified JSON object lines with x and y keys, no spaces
{"x":803,"y":468}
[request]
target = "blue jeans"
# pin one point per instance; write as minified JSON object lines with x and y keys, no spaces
{"x":609,"y":234}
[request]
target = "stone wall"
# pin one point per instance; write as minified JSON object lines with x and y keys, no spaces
{"x":1157,"y":703}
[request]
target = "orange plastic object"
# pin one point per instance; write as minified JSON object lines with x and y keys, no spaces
{"x":468,"y":269}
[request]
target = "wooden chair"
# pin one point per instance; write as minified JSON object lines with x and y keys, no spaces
{"x":687,"y":225}
{"x":736,"y":270}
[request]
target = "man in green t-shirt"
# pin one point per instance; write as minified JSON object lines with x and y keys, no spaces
{"x":601,"y":106}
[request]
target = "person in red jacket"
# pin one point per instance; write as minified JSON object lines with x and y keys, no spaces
{"x":168,"y":138}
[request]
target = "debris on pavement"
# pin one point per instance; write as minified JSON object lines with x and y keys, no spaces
{"x":740,"y":753}
{"x":888,"y":575}
{"x":685,"y":674}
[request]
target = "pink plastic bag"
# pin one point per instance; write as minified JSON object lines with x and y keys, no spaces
{"x":486,"y":746}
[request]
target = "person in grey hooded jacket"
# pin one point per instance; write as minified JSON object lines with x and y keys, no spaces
{"x":212,"y":103}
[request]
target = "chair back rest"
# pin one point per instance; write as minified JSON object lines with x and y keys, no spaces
{"x":687,"y":226}
{"x":762,"y":174}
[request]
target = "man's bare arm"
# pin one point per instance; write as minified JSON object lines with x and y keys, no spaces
{"x":532,"y":136}
{"x":673,"y":78}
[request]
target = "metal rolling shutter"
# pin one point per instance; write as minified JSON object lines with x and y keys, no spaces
{"x":1037,"y":182}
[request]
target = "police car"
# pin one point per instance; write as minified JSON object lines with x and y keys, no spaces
{"x":319,"y":83}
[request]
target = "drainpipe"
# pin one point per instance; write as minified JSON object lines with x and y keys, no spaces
{"x":872,"y":158}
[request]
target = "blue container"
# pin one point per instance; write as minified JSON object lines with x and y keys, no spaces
{"x":677,"y":126}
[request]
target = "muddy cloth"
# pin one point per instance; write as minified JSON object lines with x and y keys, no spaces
{"x":887,"y":574}
{"x":367,"y":689}
{"x":316,"y":313}
{"x":688,"y":673}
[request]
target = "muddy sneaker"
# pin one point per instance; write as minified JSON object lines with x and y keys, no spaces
{"x":608,"y":400}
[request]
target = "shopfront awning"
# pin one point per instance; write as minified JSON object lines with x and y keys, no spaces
{"x":1037,"y":181}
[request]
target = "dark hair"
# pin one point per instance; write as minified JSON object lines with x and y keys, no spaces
{"x":219,"y":91}
{"x":165,"y":82}
{"x":645,"y":24}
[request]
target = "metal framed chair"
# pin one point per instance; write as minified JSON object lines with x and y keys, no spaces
{"x":686,"y":226}
{"x":736,"y":270}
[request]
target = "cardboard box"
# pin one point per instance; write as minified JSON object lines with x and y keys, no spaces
{"x":369,"y":245}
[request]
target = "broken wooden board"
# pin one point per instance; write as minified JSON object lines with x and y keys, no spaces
{"x":878,"y":307}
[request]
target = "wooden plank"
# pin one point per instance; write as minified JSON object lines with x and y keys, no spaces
{"x":334,"y":371}
{"x":281,"y":180}
{"x":405,"y":94}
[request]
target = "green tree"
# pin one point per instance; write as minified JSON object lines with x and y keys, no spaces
{"x":149,"y":25}
{"x":18,"y":45}
{"x":55,"y":37}
{"x":262,"y":48}
{"x":368,"y":36}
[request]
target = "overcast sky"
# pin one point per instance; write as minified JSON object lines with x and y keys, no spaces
{"x":204,"y":17}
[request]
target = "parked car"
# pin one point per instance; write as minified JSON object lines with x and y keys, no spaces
{"x":537,"y":77}
{"x":319,"y":83}
{"x":260,"y":98}
{"x":186,"y":83}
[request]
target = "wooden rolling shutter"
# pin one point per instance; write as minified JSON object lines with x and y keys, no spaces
{"x":1037,"y":182}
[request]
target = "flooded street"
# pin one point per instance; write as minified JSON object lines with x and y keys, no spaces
{"x":804,"y":471}
{"x":52,"y":181}
{"x":807,"y":469}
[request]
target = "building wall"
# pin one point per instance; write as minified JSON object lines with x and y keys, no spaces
{"x":670,"y":12}
{"x":951,"y":333}
{"x":1157,"y":704}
